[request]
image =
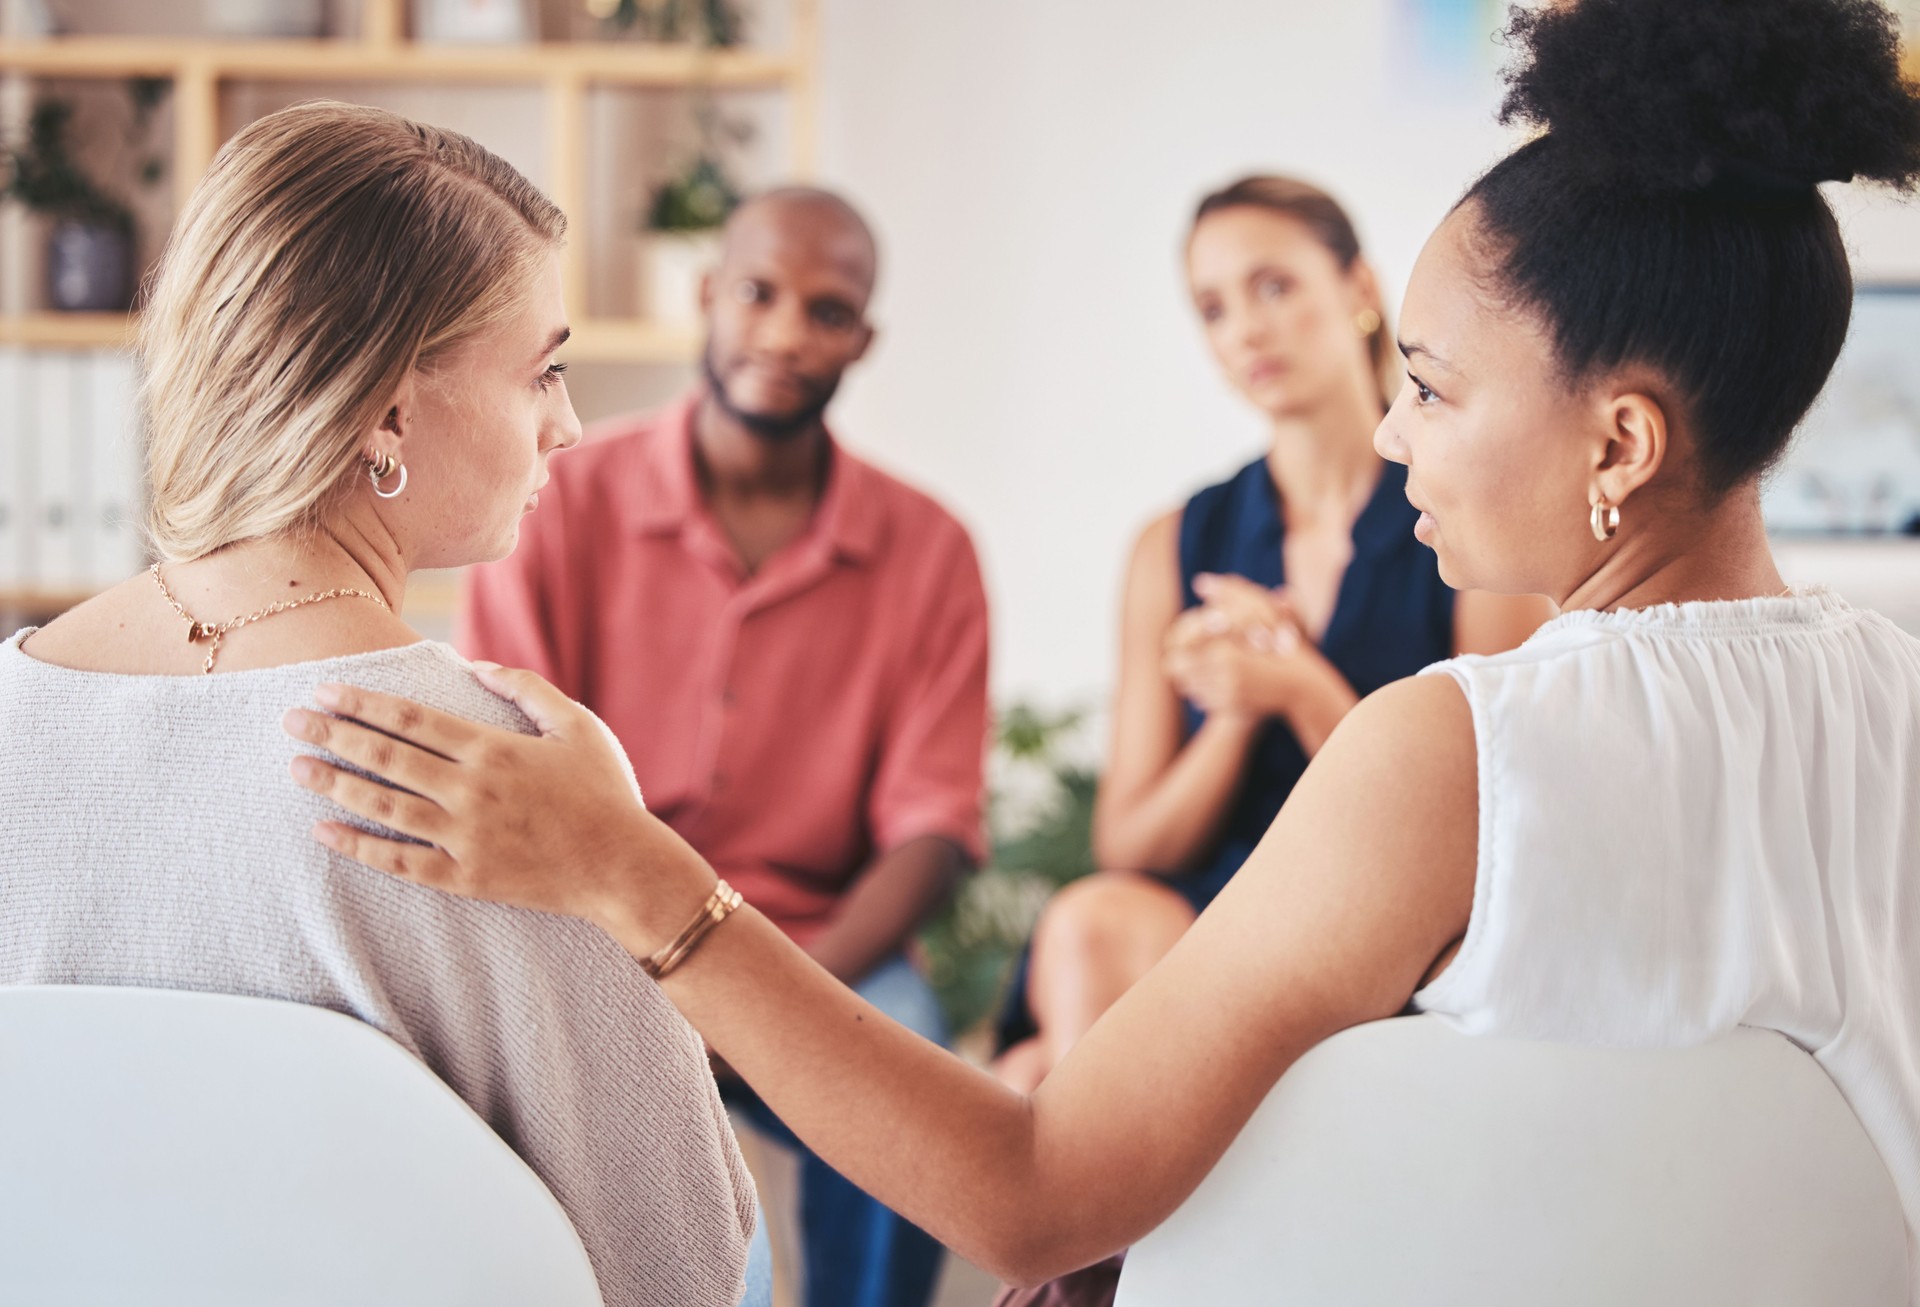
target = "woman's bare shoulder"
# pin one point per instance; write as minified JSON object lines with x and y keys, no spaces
{"x":1159,"y":538}
{"x":124,"y":628}
{"x":1153,"y":568}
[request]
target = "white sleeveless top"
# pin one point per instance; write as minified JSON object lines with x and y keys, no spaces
{"x":1702,"y":816}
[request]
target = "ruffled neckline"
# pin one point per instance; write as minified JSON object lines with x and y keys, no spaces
{"x":1813,"y":606}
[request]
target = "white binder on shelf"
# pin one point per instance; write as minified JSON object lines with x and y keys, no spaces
{"x":59,"y":563}
{"x":111,"y":502}
{"x":15,"y":568}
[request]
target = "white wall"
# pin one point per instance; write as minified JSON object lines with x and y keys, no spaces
{"x":1031,"y":167}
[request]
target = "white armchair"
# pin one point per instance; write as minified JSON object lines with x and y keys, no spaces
{"x":196,"y":1150}
{"x":1402,"y":1163}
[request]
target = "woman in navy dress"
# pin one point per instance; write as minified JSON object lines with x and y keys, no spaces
{"x":1256,"y":615}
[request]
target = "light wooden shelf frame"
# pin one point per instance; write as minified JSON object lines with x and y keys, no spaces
{"x":567,"y":71}
{"x":430,"y":595}
{"x":598,"y":340}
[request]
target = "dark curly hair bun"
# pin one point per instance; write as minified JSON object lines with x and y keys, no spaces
{"x":1669,"y":213}
{"x":1685,"y":95}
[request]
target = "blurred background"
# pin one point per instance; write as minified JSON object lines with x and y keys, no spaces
{"x":1030,"y":168}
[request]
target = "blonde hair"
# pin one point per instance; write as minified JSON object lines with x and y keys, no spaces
{"x":330,"y":250}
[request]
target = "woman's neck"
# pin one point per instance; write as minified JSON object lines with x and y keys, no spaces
{"x":133,"y":629}
{"x":1323,"y":463}
{"x":1668,"y":554}
{"x":343,"y":554}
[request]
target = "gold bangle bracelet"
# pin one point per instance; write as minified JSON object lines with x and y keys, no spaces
{"x":719,"y":906}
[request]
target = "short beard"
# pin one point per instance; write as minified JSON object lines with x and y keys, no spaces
{"x":773,"y":429}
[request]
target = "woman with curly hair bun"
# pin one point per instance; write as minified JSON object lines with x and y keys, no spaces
{"x":1255,"y":616}
{"x":1684,"y":805}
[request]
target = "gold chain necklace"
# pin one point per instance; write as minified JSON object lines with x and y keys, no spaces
{"x":198,"y":631}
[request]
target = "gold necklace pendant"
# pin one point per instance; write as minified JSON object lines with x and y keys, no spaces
{"x":199,"y":632}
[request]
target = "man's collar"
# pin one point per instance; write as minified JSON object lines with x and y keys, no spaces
{"x":666,"y":494}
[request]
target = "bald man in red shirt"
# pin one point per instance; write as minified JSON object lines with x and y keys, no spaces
{"x":790,"y":644}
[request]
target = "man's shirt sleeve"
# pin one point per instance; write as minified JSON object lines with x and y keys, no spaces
{"x":931,"y":768}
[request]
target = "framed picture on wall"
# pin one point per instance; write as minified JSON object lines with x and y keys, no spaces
{"x":1854,"y":467}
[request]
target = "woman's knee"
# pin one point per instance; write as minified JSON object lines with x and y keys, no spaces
{"x":1110,"y":912}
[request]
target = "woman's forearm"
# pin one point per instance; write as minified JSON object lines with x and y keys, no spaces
{"x":1166,"y":825}
{"x":1334,"y":920}
{"x":870,"y":1094}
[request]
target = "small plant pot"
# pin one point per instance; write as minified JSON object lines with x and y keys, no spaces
{"x":266,"y":19}
{"x":671,"y":265}
{"x":89,"y":268}
{"x":472,"y":22}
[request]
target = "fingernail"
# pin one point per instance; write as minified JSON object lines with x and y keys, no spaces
{"x":485,"y":666}
{"x":326,"y":834}
{"x":329,"y":694}
{"x":305,"y":770}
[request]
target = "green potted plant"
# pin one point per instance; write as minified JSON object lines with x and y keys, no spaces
{"x":680,"y":237}
{"x":1040,"y":819}
{"x":90,"y":240}
{"x":714,"y":23}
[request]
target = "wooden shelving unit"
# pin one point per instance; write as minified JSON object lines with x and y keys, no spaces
{"x":566,"y":72}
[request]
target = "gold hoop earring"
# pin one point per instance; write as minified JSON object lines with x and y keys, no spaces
{"x":1605,"y":520}
{"x":1366,"y":322}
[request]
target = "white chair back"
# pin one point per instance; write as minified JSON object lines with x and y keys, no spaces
{"x":195,"y":1150}
{"x":1403,"y":1162}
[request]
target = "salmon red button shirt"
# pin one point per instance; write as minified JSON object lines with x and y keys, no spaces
{"x":791,"y":725}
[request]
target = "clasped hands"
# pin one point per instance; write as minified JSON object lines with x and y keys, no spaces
{"x":1243,"y":653}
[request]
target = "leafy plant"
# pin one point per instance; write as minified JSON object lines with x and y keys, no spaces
{"x":710,"y":22}
{"x":1040,"y":814}
{"x":702,"y":194}
{"x":699,"y":199}
{"x":43,"y":174}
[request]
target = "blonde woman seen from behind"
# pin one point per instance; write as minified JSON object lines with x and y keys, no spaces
{"x":350,"y":373}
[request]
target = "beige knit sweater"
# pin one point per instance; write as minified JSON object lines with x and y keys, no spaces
{"x":150,"y":835}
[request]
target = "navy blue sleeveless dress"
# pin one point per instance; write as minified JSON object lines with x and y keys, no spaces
{"x":1392,"y":617}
